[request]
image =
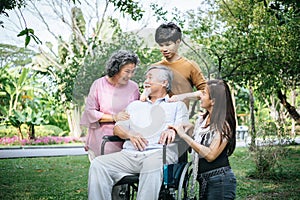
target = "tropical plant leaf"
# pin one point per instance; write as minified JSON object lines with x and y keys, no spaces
{"x":27,"y":40}
{"x":23,"y":32}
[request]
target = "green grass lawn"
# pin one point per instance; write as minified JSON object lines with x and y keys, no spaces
{"x":44,"y":178}
{"x":284,"y":185}
{"x":66,"y":177}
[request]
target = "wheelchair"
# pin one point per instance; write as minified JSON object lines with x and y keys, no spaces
{"x":177,"y":178}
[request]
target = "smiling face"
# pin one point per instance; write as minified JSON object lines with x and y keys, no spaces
{"x":206,"y":102}
{"x":153,"y":82}
{"x":169,"y":49}
{"x":125,"y":74}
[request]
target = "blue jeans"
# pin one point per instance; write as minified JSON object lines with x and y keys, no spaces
{"x":220,"y":187}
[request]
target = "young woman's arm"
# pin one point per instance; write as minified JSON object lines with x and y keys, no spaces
{"x":208,"y":153}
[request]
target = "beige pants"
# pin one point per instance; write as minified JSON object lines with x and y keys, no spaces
{"x":108,"y":169}
{"x":116,"y":189}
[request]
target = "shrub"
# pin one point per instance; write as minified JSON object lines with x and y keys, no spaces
{"x":49,"y":130}
{"x":60,"y":120}
{"x":48,"y":140}
{"x":269,"y":150}
{"x":43,"y":130}
{"x":266,"y":158}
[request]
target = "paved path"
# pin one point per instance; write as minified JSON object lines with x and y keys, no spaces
{"x":47,"y":151}
{"x":41,"y":151}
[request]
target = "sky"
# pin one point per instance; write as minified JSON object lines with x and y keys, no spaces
{"x":8,"y":34}
{"x":14,"y":23}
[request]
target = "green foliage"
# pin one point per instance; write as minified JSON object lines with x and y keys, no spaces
{"x":132,"y":8}
{"x":10,"y":4}
{"x":159,"y":12}
{"x":285,"y":11}
{"x":8,"y":131}
{"x":49,"y":130}
{"x":247,"y":44}
{"x":11,"y":55}
{"x":40,"y":131}
{"x":269,"y":149}
{"x":29,"y":103}
{"x":24,"y":107}
{"x":267,"y":159}
{"x":79,"y":19}
{"x":241,"y":101}
{"x":29,"y":33}
{"x":5,"y":82}
{"x":60,"y":120}
{"x":282,"y":182}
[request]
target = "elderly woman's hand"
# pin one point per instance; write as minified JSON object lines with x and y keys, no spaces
{"x":121,"y":116}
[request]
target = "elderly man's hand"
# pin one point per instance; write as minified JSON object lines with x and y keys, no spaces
{"x":138,"y":142}
{"x":167,"y":136}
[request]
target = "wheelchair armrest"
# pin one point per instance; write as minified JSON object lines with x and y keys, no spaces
{"x":112,"y":138}
{"x":109,"y":138}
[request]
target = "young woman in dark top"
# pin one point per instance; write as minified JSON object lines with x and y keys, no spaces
{"x":213,"y":140}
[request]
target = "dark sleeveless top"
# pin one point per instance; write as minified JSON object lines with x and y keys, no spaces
{"x":220,"y":161}
{"x":207,"y":136}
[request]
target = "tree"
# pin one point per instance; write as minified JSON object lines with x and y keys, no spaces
{"x":6,"y":5}
{"x":249,"y":46}
{"x":11,"y":57}
{"x":83,"y":47}
{"x":24,"y":107}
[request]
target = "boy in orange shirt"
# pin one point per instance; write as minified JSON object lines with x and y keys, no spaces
{"x":187,"y":73}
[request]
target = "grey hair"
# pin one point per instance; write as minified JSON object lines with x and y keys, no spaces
{"x":118,"y":60}
{"x":164,"y":75}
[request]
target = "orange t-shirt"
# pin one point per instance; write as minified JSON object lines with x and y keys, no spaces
{"x":187,"y":74}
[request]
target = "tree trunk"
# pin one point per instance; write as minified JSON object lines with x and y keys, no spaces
{"x":291,"y":109}
{"x":252,"y":120}
{"x":20,"y":133}
{"x":74,"y":121}
{"x":31,"y":132}
{"x":293,"y":129}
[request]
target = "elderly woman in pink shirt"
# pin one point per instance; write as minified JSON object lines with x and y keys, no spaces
{"x":108,"y":97}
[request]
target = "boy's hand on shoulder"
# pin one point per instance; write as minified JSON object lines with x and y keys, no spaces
{"x":175,"y":98}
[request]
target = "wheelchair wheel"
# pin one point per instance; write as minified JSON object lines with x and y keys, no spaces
{"x":185,"y":184}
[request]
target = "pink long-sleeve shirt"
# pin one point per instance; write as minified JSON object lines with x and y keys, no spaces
{"x":104,"y":98}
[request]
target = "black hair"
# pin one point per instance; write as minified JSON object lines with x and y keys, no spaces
{"x":167,"y":32}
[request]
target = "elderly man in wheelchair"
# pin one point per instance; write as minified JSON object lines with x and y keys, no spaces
{"x":145,"y":135}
